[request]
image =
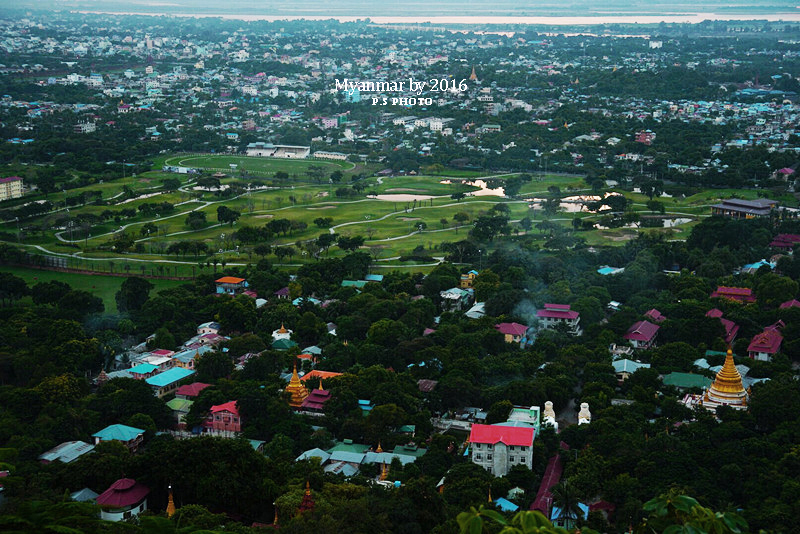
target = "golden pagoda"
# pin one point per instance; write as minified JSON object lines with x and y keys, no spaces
{"x":170,"y":504}
{"x":297,"y":389}
{"x":473,"y":76}
{"x":727,"y":388}
{"x":384,"y":472}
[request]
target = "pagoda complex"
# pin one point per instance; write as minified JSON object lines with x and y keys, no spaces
{"x":727,"y":388}
{"x":297,"y":389}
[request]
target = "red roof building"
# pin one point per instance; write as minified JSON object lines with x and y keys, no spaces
{"x":766,"y":344}
{"x":513,"y":332}
{"x":642,"y":334}
{"x":123,"y":499}
{"x":190,"y":391}
{"x":497,"y":448}
{"x":740,"y":294}
{"x":654,"y":315}
{"x":785,"y":241}
{"x":790,"y":304}
{"x":555,"y":314}
{"x":224,"y":418}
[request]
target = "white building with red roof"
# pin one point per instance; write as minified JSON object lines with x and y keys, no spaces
{"x":125,"y":498}
{"x":766,"y":344}
{"x":498,"y":448}
{"x":555,"y":314}
{"x":642,"y":334}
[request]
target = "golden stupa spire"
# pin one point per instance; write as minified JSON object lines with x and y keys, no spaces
{"x":170,"y":503}
{"x":283,"y":330}
{"x":490,"y":494}
{"x":308,"y":488}
{"x":320,"y":384}
{"x":379,"y":449}
{"x":473,"y":76}
{"x":297,"y":389}
{"x":727,"y":388}
{"x":728,"y":379}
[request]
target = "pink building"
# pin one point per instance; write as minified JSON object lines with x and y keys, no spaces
{"x":224,"y":418}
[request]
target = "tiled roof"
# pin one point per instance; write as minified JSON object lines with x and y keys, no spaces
{"x":227,"y":407}
{"x":191,"y":390}
{"x":513,"y":329}
{"x":642,"y":331}
{"x":497,"y":434}
{"x":557,"y":311}
{"x":768,"y":341}
{"x":124,"y":492}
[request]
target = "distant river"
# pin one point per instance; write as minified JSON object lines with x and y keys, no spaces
{"x":481,"y":19}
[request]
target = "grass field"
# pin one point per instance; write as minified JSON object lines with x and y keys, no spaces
{"x":98,"y":285}
{"x":390,"y":226}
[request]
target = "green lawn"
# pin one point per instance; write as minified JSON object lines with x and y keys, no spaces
{"x":99,"y":285}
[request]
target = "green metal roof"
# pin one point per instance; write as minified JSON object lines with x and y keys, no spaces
{"x":180,"y":405}
{"x":686,"y":380}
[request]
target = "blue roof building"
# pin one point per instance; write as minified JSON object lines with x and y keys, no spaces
{"x":131,"y":437}
{"x":167,"y":382}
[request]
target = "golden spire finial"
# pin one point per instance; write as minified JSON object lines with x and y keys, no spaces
{"x":384,"y":471}
{"x":490,"y":494}
{"x":320,"y":384}
{"x":379,"y":448}
{"x":308,"y":488}
{"x":283,"y":330}
{"x":170,"y":503}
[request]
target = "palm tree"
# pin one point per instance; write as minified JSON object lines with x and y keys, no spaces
{"x":565,"y":498}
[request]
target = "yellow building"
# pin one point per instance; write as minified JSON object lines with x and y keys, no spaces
{"x":10,"y":187}
{"x":727,"y":388}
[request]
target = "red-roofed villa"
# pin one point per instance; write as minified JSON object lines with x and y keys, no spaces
{"x":790,"y":304}
{"x":224,"y":418}
{"x":642,"y":334}
{"x":655,"y":316}
{"x":766,"y":344}
{"x":556,"y":314}
{"x":498,"y":448}
{"x":125,"y":498}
